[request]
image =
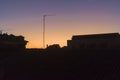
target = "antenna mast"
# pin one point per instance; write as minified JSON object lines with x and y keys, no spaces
{"x":44,"y":26}
{"x":44,"y":31}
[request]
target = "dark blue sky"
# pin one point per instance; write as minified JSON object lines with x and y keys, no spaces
{"x":19,"y":6}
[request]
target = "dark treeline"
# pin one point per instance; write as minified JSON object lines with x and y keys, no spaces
{"x":60,"y":64}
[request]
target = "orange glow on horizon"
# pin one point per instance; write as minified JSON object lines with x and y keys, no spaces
{"x":60,"y":29}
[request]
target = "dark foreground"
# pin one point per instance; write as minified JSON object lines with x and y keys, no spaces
{"x":60,"y":65}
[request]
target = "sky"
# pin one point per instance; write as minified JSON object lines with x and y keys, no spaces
{"x":69,"y":17}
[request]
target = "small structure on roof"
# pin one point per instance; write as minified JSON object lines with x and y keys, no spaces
{"x":54,"y":46}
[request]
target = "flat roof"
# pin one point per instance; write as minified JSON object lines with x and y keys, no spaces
{"x":103,"y":35}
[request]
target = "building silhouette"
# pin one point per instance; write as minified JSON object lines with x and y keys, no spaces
{"x":12,"y":42}
{"x":95,"y":41}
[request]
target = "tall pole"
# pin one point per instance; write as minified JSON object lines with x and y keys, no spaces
{"x":44,"y":26}
{"x":44,"y":16}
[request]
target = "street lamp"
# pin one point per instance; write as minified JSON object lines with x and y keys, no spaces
{"x":44,"y":25}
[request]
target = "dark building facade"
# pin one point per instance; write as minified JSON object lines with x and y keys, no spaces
{"x":95,"y":41}
{"x":12,"y":42}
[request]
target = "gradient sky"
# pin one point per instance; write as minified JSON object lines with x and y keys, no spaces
{"x":70,"y":17}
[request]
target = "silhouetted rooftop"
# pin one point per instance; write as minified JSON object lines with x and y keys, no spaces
{"x":12,"y":41}
{"x":106,"y":35}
